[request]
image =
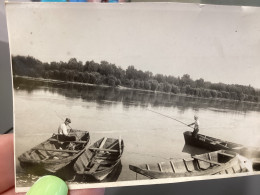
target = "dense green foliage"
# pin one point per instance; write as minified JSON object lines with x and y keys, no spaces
{"x":112,"y":75}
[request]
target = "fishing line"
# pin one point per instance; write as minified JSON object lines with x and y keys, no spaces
{"x":170,"y":117}
{"x":61,"y":118}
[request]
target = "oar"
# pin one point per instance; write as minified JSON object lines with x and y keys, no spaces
{"x":170,"y":118}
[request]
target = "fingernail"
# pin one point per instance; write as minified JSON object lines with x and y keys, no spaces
{"x":48,"y":185}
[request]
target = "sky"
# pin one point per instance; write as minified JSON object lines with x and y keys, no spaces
{"x":216,"y":43}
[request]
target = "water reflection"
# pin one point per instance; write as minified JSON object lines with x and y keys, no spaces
{"x":24,"y":178}
{"x":113,"y":112}
{"x":129,"y":97}
{"x":112,"y":177}
{"x":194,"y":150}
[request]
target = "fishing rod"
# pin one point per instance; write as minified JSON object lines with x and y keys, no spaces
{"x":169,"y":117}
{"x":186,"y":125}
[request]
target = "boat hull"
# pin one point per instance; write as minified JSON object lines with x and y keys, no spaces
{"x":51,"y":156}
{"x":101,"y":175}
{"x":206,"y":164}
{"x":52,"y":166}
{"x":214,"y":144}
{"x":99,"y":160}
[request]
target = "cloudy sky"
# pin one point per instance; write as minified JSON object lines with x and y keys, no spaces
{"x":217,"y":43}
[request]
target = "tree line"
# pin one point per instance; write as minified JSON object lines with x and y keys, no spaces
{"x":105,"y":73}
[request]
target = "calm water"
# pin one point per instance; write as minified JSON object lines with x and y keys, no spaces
{"x":40,"y":107}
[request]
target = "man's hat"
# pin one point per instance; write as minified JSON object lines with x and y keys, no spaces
{"x":68,"y":120}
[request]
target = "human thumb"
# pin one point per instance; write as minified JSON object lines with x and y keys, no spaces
{"x":48,"y":185}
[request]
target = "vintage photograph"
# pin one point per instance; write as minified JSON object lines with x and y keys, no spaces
{"x":131,"y":94}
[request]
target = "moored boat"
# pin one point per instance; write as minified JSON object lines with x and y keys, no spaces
{"x":55,"y":153}
{"x":214,"y":144}
{"x":213,"y":163}
{"x":100,"y":159}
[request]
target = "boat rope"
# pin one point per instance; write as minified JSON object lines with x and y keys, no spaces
{"x":169,"y":117}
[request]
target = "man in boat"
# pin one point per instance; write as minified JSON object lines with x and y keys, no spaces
{"x":196,"y":126}
{"x":63,"y":131}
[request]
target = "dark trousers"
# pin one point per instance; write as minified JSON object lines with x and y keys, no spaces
{"x":63,"y":138}
{"x":195,"y":132}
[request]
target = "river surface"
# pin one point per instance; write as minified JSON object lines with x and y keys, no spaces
{"x":110,"y":112}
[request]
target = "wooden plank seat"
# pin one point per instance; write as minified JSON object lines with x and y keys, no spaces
{"x":99,"y":159}
{"x":226,"y":154}
{"x":94,"y":168}
{"x":69,"y":151}
{"x":103,"y":149}
{"x":78,"y":142}
{"x":209,"y":161}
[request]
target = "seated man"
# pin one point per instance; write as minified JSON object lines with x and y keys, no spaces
{"x":63,"y":134}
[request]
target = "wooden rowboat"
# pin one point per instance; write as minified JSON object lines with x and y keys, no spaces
{"x":100,"y":159}
{"x":213,"y":163}
{"x":55,"y":153}
{"x":214,"y":144}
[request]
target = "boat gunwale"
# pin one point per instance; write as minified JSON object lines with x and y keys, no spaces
{"x":96,"y":172}
{"x":49,"y":161}
{"x":189,"y":134}
{"x":215,"y":169}
{"x":22,"y":158}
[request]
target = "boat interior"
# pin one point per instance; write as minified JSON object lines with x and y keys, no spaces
{"x":101,"y":155}
{"x":195,"y":163}
{"x":56,"y":148}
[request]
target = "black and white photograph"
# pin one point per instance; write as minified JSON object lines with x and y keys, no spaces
{"x":134,"y":93}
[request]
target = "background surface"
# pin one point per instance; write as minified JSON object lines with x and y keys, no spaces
{"x":243,"y":185}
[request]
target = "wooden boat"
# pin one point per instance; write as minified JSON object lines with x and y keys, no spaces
{"x":213,"y":163}
{"x":214,"y":144}
{"x":55,"y":153}
{"x":100,"y":159}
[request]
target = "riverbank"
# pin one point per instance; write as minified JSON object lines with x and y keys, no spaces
{"x":133,"y":89}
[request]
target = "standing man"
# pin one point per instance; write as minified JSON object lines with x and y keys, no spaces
{"x":196,"y":126}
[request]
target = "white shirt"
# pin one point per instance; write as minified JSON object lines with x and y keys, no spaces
{"x":196,"y":124}
{"x":62,"y":130}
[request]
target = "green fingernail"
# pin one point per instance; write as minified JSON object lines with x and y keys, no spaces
{"x":48,"y":185}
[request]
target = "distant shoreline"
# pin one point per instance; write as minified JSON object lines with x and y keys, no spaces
{"x":107,"y":74}
{"x":127,"y":88}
